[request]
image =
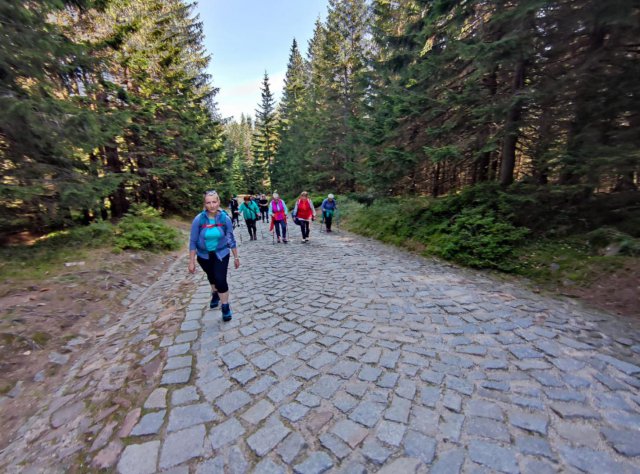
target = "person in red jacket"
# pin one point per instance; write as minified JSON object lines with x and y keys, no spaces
{"x":305,"y":212}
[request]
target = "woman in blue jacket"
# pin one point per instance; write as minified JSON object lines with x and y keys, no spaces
{"x":328,"y":208}
{"x":212,"y":241}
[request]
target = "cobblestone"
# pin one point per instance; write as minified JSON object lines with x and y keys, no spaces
{"x":397,"y":364}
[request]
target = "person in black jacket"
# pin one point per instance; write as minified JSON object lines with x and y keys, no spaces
{"x":235,"y":213}
{"x":263,"y":202}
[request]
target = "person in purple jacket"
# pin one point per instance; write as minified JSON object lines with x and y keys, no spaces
{"x":211,"y":242}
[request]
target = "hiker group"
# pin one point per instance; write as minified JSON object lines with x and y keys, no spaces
{"x":275,"y":211}
{"x":212,"y":241}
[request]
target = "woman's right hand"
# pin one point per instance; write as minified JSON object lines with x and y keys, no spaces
{"x":192,"y":267}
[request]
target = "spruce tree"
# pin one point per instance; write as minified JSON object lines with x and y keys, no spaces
{"x":288,"y":170}
{"x":266,"y":138}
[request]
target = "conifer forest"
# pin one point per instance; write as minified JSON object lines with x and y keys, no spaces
{"x":107,"y":103}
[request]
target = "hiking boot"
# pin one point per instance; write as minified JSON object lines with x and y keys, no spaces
{"x":226,"y":312}
{"x":278,"y":240}
{"x":285,"y":241}
{"x":215,"y":300}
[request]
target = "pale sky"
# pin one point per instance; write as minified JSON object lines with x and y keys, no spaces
{"x":247,"y":37}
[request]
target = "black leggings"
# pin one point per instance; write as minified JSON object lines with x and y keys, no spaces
{"x":327,"y":220}
{"x":264,"y":212}
{"x":304,"y":227}
{"x":216,"y":271}
{"x":251,"y":226}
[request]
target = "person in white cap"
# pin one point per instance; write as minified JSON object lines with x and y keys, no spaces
{"x":278,"y":213}
{"x":328,"y":208}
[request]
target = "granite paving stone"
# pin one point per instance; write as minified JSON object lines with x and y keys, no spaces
{"x":267,"y":466}
{"x":262,"y":384}
{"x":344,"y":402}
{"x":326,"y":386}
{"x":399,"y":410}
{"x":244,"y":375}
{"x":282,"y":390}
{"x":266,"y":360}
{"x":190,"y":415}
{"x":486,"y":428}
{"x":493,"y":456}
{"x":344,"y":369}
{"x":337,"y":447}
{"x":157,"y":399}
{"x":178,"y":349}
{"x":225,"y":433}
{"x":293,"y":411}
{"x":448,"y":462}
{"x":139,"y":458}
{"x":589,"y":460}
{"x":315,"y":463}
{"x":290,"y":447}
{"x":534,"y":445}
{"x":350,"y":432}
{"x":267,"y":438}
{"x":258,"y":412}
{"x":233,"y":360}
{"x":390,"y":432}
{"x":376,"y":452}
{"x":417,"y":445}
{"x":624,"y":442}
{"x":179,"y":376}
{"x":233,"y":401}
{"x":367,"y":413}
{"x":238,"y":463}
{"x":424,"y":420}
{"x":182,"y":446}
{"x":149,"y":423}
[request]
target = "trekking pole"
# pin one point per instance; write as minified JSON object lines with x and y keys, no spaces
{"x":286,"y":229}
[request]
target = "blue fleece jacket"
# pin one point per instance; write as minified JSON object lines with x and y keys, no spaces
{"x":198,"y":228}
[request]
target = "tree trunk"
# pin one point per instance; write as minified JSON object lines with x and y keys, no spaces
{"x":118,"y":200}
{"x":512,"y":127}
{"x":481,"y":168}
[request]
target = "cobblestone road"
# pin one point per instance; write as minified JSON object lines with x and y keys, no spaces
{"x":345,"y":355}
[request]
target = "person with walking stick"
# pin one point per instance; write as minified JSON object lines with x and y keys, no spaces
{"x":304,"y":212}
{"x":278,"y":213}
{"x":328,"y":208}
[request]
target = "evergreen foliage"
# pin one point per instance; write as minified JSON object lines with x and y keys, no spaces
{"x":101,"y":108}
{"x":524,"y":114}
{"x":142,"y":229}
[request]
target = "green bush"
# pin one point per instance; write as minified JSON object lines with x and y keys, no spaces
{"x":142,"y":229}
{"x":604,"y":237}
{"x":478,"y":239}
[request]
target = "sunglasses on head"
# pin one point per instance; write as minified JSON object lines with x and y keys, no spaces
{"x":210,"y":193}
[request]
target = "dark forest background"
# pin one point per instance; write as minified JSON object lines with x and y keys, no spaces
{"x":458,"y":118}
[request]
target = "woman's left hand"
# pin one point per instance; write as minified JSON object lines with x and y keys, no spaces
{"x":236,"y":263}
